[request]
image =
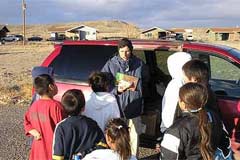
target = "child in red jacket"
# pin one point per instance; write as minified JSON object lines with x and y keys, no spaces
{"x":41,"y":118}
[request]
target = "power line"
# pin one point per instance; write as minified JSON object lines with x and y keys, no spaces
{"x":24,"y":6}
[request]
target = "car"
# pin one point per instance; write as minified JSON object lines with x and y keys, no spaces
{"x":35,"y":38}
{"x":73,"y":61}
{"x":173,"y":36}
{"x":179,"y":37}
{"x":51,"y":39}
{"x":189,"y":38}
{"x":61,"y":37}
{"x":10,"y":38}
{"x":19,"y":37}
{"x":2,"y":42}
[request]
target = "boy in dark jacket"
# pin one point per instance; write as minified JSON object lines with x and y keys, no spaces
{"x":77,"y":134}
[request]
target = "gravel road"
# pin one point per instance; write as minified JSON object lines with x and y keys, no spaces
{"x":16,"y":63}
{"x":13,"y":141}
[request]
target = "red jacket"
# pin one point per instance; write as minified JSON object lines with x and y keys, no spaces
{"x":43,"y":116}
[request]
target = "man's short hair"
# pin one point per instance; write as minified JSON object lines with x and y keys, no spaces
{"x":73,"y":101}
{"x":125,"y":42}
{"x":41,"y":84}
{"x":198,"y":70}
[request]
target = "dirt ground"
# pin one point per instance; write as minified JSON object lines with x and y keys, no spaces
{"x":16,"y":62}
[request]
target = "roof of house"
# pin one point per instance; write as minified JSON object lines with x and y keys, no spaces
{"x":66,"y":29}
{"x":178,"y":30}
{"x":58,"y":29}
{"x":3,"y":27}
{"x":224,"y":30}
{"x":154,"y":28}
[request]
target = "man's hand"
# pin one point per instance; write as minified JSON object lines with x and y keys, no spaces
{"x":35,"y":134}
{"x":158,"y":148}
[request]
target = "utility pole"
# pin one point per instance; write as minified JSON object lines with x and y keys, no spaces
{"x":24,"y":20}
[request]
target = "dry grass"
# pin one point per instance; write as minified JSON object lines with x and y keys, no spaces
{"x":234,"y":44}
{"x":15,"y":66}
{"x":105,"y":28}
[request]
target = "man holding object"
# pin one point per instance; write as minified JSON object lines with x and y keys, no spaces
{"x":130,"y":101}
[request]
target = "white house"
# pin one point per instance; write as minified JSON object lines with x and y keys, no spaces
{"x":80,"y":32}
{"x":84,"y":32}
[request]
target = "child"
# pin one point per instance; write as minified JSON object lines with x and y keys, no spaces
{"x":197,"y":71}
{"x":170,"y":98}
{"x":190,"y":135}
{"x":41,"y":118}
{"x":37,"y":71}
{"x":118,"y":140}
{"x":102,"y":105}
{"x":77,"y":134}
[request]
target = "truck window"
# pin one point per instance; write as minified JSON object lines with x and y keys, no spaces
{"x":77,"y":62}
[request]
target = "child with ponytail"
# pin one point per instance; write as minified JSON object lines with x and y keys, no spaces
{"x":118,"y":140}
{"x":196,"y":71}
{"x":190,"y":135}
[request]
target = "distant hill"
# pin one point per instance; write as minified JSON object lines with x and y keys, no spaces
{"x":105,"y":28}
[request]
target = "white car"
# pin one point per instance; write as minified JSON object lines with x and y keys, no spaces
{"x":189,"y":38}
{"x":10,"y":38}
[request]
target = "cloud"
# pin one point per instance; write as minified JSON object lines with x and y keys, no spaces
{"x":162,"y":13}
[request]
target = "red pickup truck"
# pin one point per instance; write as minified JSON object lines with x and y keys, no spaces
{"x":73,"y":61}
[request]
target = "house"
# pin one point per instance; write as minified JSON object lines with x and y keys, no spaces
{"x":155,"y":33}
{"x":223,"y":34}
{"x":186,"y":33}
{"x":57,"y":32}
{"x":178,"y":30}
{"x":81,"y":32}
{"x":3,"y":31}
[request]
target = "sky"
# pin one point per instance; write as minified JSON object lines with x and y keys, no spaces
{"x":143,"y":13}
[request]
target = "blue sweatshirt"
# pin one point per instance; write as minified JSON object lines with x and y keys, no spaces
{"x":130,"y":102}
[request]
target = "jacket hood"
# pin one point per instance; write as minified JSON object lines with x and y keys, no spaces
{"x":175,"y":63}
{"x":102,"y":99}
{"x":131,"y":63}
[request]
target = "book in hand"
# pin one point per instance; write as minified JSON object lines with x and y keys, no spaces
{"x":126,"y":80}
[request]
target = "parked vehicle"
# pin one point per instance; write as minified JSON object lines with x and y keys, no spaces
{"x":73,"y":61}
{"x":179,"y":37}
{"x":35,"y":38}
{"x":59,"y":38}
{"x":10,"y":38}
{"x":19,"y":37}
{"x":189,"y":38}
{"x":51,"y":39}
{"x":2,"y":42}
{"x":173,"y":36}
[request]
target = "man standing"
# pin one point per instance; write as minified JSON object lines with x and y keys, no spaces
{"x":130,"y":100}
